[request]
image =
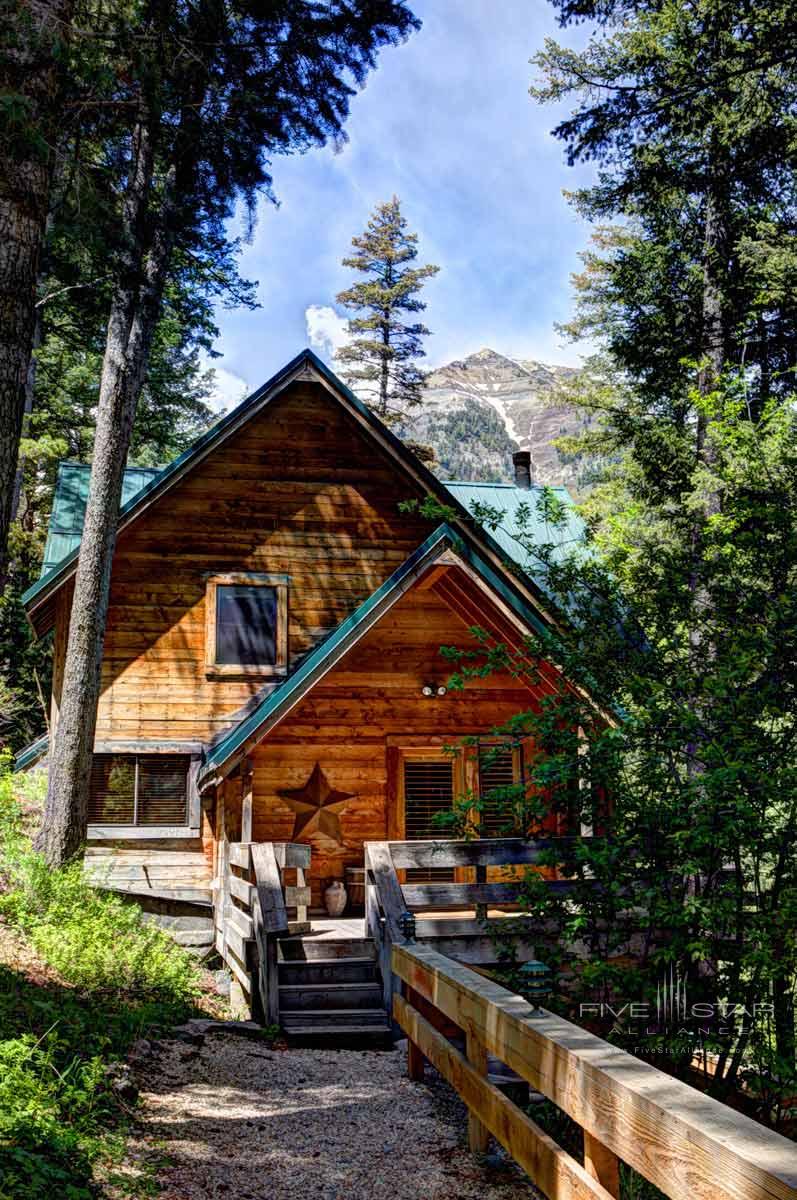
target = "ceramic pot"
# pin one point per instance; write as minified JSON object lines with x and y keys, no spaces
{"x":335,"y":898}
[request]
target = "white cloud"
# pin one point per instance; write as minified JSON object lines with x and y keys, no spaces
{"x":228,"y":389}
{"x":326,"y":329}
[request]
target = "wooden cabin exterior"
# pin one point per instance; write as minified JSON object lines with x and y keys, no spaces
{"x":274,"y":619}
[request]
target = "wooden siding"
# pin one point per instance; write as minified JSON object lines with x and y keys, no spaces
{"x":298,"y":491}
{"x":358,"y":716}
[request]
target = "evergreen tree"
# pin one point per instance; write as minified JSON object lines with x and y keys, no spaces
{"x":380,"y":358}
{"x":33,"y":35}
{"x":680,"y":619}
{"x":250,"y":82}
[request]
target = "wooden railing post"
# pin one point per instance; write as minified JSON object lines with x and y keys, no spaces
{"x":478,"y":1133}
{"x":602,"y":1164}
{"x":416,"y":1063}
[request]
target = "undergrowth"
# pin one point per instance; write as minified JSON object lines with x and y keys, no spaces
{"x":112,"y":979}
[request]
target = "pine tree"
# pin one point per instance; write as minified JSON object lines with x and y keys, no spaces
{"x":253,"y":82}
{"x":380,"y":359}
{"x":680,"y":617}
{"x":681,"y":609}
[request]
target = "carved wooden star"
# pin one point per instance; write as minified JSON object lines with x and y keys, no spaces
{"x":315,"y":805}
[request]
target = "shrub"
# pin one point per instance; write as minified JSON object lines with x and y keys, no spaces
{"x":119,"y":977}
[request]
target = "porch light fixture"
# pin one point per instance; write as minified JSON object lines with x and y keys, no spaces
{"x":434,"y":689}
{"x":536,"y":985}
{"x":427,"y":689}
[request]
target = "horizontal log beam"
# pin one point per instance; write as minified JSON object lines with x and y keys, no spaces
{"x":292,"y":854}
{"x":459,"y":895}
{"x":484,"y":852}
{"x":551,"y":1168}
{"x":682,"y":1141}
{"x":242,"y":890}
{"x":240,"y":854}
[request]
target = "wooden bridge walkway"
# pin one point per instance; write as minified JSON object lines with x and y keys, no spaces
{"x":672,"y":1135}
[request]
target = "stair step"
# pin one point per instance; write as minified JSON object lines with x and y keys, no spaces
{"x":327,"y":970}
{"x":305,"y":949}
{"x":294,"y":997}
{"x":338,"y":1020}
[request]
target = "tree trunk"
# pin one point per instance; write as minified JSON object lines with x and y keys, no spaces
{"x":134,"y":313}
{"x":28,"y":71}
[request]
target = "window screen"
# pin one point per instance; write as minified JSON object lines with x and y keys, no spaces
{"x":112,"y":792}
{"x":130,"y":789}
{"x":496,"y":771}
{"x":428,"y":789}
{"x":246,"y":625}
{"x":163,"y":790}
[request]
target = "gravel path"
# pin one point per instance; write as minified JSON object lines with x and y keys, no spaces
{"x":237,"y":1119}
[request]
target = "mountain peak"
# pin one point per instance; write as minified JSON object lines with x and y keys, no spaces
{"x":479,"y":409}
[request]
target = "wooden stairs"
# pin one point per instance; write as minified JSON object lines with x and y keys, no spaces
{"x":330,"y":991}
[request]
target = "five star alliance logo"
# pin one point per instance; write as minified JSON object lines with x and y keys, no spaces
{"x":671,"y":1005}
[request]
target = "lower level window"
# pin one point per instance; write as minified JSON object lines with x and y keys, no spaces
{"x":139,"y":789}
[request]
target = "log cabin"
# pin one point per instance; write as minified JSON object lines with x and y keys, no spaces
{"x":272,"y":668}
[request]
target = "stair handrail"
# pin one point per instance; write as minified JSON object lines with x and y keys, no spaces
{"x":682,"y":1141}
{"x":253,"y":907}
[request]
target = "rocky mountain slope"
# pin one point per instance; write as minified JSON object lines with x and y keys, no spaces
{"x":478,"y":410}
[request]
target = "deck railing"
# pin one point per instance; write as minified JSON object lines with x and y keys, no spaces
{"x":462,"y":937}
{"x":254,"y":907}
{"x":683,"y":1142}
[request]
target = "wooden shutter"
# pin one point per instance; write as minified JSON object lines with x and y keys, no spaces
{"x":112,"y":789}
{"x":496,"y":770}
{"x":428,"y":789}
{"x":163,"y":789}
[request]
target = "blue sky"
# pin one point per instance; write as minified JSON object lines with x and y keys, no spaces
{"x":445,"y":123}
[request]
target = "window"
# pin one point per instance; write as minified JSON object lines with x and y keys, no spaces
{"x":139,"y":789}
{"x":500,"y":767}
{"x":247,"y":625}
{"x":428,"y":789}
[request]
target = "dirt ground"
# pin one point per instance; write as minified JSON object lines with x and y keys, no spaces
{"x":235,"y":1118}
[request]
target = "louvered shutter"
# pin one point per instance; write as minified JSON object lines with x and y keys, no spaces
{"x":163,"y":789}
{"x":428,"y":789}
{"x":112,"y":789}
{"x":496,"y":770}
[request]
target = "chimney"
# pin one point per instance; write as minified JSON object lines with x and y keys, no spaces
{"x":522,"y":461}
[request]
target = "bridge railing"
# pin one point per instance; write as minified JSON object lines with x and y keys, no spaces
{"x":683,"y":1142}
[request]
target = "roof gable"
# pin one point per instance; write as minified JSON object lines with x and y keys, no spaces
{"x":228,"y":750}
{"x":305,"y":366}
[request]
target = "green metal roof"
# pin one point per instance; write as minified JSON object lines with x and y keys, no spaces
{"x":340,"y":639}
{"x":520,"y":507}
{"x":69,"y":507}
{"x":32,"y":753}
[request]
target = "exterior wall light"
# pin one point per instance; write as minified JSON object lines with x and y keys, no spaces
{"x":536,"y":985}
{"x":434,"y":689}
{"x":427,"y":689}
{"x":442,"y":689}
{"x":406,"y":924}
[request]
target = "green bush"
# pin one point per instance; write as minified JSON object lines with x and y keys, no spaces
{"x":119,"y":978}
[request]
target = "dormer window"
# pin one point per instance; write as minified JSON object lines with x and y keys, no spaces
{"x":246,"y":624}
